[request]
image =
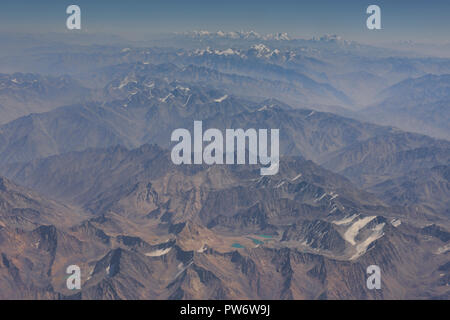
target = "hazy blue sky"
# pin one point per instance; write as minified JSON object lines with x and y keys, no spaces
{"x":418,"y":20}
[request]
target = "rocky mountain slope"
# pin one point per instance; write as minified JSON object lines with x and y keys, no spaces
{"x":171,"y":232}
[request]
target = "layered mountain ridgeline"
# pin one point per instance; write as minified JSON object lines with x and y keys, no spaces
{"x":388,"y":155}
{"x":419,"y":105}
{"x":420,"y":189}
{"x":325,"y":70}
{"x":140,"y":227}
{"x":149,"y":110}
{"x":25,"y":209}
{"x":162,"y":231}
{"x":270,"y":82}
{"x":22,"y":94}
{"x":405,"y":169}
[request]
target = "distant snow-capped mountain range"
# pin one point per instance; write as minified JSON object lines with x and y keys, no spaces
{"x":258,"y":50}
{"x":253,"y":35}
{"x":247,"y":35}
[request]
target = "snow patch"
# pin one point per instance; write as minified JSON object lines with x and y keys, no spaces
{"x":182,"y":270}
{"x":443,"y":249}
{"x":221,"y":99}
{"x":184,"y":89}
{"x":187,"y":100}
{"x":280,"y":184}
{"x":333,"y":209}
{"x":396,"y":222}
{"x":353,"y":231}
{"x":126,"y":81}
{"x":333,"y":196}
{"x":345,"y":220}
{"x":311,"y":113}
{"x":321,"y":197}
{"x":170,"y":95}
{"x":361,"y":248}
{"x":227,"y":52}
{"x":158,"y":253}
